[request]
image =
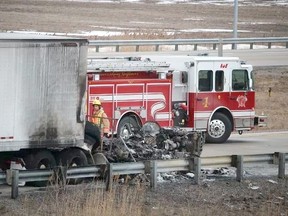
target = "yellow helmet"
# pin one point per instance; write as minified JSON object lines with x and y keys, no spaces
{"x":97,"y":102}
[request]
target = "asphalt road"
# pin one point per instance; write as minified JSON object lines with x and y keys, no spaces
{"x":249,"y":144}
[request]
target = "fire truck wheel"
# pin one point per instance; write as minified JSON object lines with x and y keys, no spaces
{"x":72,"y":158}
{"x":219,"y":129}
{"x":42,"y":159}
{"x":127,"y":127}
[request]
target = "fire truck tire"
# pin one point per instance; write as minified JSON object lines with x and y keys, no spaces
{"x":72,"y":158}
{"x":219,"y":129}
{"x":42,"y":159}
{"x":127,"y":127}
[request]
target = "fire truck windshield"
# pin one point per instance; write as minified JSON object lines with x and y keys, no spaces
{"x":240,"y":80}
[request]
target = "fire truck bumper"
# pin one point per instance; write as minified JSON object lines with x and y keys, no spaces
{"x":260,"y":121}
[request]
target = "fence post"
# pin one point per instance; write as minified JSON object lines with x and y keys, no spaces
{"x":109,"y":178}
{"x":281,"y":167}
{"x":15,"y":182}
{"x":153,"y":174}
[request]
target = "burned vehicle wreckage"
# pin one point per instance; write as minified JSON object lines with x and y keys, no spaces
{"x":151,"y":142}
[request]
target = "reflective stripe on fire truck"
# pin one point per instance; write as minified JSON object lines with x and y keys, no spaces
{"x":238,"y":113}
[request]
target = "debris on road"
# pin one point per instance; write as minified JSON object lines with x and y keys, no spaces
{"x":166,"y":144}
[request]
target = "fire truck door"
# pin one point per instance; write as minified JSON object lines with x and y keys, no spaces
{"x":204,"y":98}
{"x":241,"y":99}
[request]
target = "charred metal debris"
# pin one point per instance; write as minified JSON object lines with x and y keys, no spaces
{"x":164,"y":144}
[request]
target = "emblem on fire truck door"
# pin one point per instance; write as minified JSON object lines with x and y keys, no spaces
{"x":241,"y":99}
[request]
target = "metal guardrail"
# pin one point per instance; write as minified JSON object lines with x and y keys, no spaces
{"x":216,"y":43}
{"x":145,"y":167}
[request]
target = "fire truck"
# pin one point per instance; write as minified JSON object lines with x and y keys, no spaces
{"x":204,"y":93}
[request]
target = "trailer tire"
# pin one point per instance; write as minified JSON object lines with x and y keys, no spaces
{"x":72,"y":158}
{"x":219,"y":129}
{"x":42,"y":159}
{"x":127,"y":127}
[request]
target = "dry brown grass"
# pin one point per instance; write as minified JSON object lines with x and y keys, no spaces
{"x":275,"y":106}
{"x":86,"y":200}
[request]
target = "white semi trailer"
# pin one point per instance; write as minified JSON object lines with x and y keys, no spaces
{"x":42,"y":83}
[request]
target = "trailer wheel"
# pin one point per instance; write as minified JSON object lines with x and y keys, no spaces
{"x":40,"y":160}
{"x":127,"y":127}
{"x":72,"y":158}
{"x":219,"y":129}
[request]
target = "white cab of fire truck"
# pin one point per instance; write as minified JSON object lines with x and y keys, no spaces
{"x":212,"y":94}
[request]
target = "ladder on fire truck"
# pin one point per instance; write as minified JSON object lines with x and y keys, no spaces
{"x":128,"y":64}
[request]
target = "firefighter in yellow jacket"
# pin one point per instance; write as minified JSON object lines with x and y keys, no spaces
{"x":100,"y":118}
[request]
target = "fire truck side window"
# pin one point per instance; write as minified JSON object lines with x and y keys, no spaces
{"x":240,"y":80}
{"x":205,"y":82}
{"x":219,"y":80}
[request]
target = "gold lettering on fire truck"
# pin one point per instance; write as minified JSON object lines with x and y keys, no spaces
{"x":205,"y":102}
{"x":121,"y":75}
{"x":241,"y":99}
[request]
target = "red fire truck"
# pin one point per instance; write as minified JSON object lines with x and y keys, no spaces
{"x":211,"y":94}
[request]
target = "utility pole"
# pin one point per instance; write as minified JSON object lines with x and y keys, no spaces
{"x":235,"y":23}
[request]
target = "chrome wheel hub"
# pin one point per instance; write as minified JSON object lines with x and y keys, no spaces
{"x":216,"y":128}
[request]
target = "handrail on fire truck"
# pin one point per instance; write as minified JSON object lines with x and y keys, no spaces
{"x":125,"y":64}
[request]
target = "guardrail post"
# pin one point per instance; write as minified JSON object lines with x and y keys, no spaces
{"x":239,"y":168}
{"x":195,"y":47}
{"x":137,"y":48}
{"x":97,"y":48}
{"x":269,"y":45}
{"x":176,"y":47}
{"x":15,"y":182}
{"x":281,"y":167}
{"x":237,"y":162}
{"x":117,"y":48}
{"x":109,"y":178}
{"x":276,"y":158}
{"x":197,"y":169}
{"x":220,"y":48}
{"x":251,"y":45}
{"x":153,"y":174}
{"x":286,"y":44}
{"x":157,"y":48}
{"x":60,"y":174}
{"x":214,"y":46}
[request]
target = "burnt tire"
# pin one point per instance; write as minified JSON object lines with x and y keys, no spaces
{"x":127,"y":127}
{"x":42,"y":159}
{"x":219,"y":129}
{"x":72,"y":158}
{"x":92,"y":135}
